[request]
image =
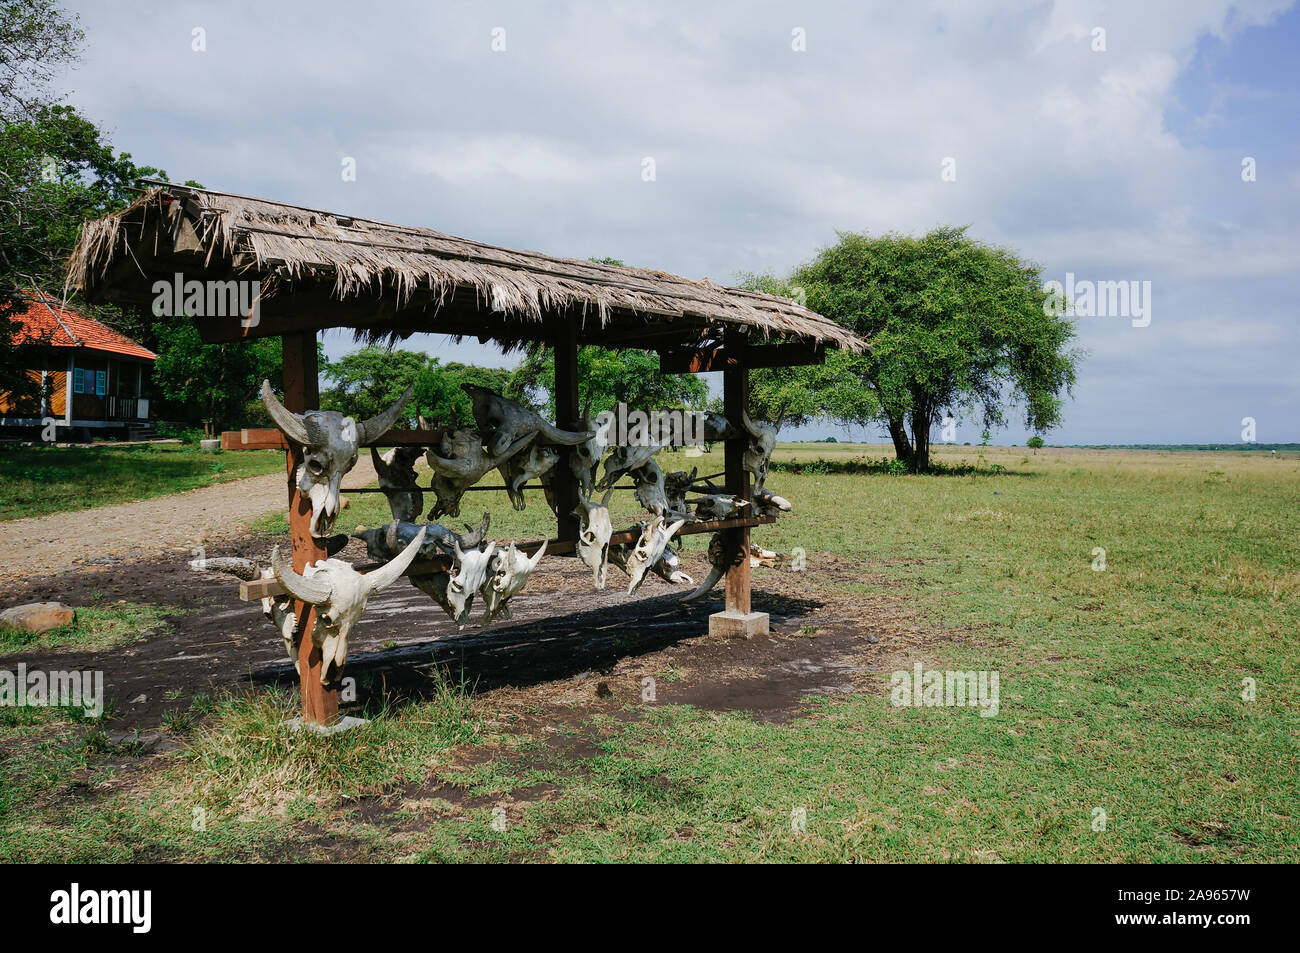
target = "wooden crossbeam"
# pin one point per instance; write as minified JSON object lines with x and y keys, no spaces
{"x":268,"y":438}
{"x":256,"y":589}
{"x":700,"y":360}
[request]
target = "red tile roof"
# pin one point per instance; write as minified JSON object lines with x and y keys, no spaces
{"x":53,"y":325}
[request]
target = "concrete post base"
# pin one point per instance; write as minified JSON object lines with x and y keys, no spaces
{"x":738,"y":625}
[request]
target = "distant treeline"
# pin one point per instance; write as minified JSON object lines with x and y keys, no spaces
{"x":1244,"y":447}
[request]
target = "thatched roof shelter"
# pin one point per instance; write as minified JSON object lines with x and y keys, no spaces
{"x":321,"y":269}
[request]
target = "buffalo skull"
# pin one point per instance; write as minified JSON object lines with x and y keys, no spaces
{"x":758,"y":450}
{"x":508,"y":573}
{"x":528,"y":464}
{"x":654,"y":540}
{"x":329,"y":444}
{"x":339,"y":594}
{"x":594,"y":531}
{"x":504,"y":422}
{"x":454,"y":591}
{"x":396,"y":472}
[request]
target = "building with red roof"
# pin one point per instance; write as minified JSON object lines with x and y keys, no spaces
{"x":90,"y":376}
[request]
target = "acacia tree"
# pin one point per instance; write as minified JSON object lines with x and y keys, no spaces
{"x":956,"y":325}
{"x":799,"y":394}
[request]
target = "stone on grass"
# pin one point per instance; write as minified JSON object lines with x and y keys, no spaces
{"x":38,"y":616}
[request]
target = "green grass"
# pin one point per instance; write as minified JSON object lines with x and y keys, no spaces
{"x":96,"y":627}
{"x":1121,"y":689}
{"x":37,"y":480}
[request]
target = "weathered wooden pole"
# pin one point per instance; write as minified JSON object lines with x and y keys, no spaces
{"x":320,"y":705}
{"x":737,"y":620}
{"x":566,"y":418}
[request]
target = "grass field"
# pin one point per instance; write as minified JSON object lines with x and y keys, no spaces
{"x":35,"y":481}
{"x":1124,"y":680}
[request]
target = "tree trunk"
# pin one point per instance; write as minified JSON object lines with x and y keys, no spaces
{"x":921,"y":438}
{"x":898,"y":434}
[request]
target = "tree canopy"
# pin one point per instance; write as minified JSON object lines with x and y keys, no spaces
{"x":956,"y":325}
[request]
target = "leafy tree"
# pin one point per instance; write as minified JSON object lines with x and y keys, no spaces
{"x":1034,"y":443}
{"x":36,"y":40}
{"x":606,"y":378}
{"x":370,"y":379}
{"x":797,"y":395}
{"x":438,"y":394}
{"x":955,"y":325}
{"x":56,"y":171}
{"x":215,"y":379}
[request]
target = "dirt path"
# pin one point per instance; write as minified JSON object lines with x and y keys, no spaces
{"x":111,"y":534}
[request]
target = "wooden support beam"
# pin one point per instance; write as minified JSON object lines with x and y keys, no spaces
{"x":701,"y":360}
{"x":738,"y":619}
{"x":566,"y":418}
{"x":320,"y":705}
{"x":256,"y":589}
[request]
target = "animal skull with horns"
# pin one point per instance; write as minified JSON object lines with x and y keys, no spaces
{"x":504,"y":422}
{"x":507,"y":575}
{"x":329,"y":444}
{"x":594,"y":531}
{"x":339,"y":594}
{"x":454,"y":591}
{"x":534,"y":463}
{"x":460,"y":463}
{"x":648,"y":550}
{"x":758,"y":452}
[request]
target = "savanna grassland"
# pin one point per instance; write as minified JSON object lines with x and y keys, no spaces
{"x":1155,"y":682}
{"x":36,"y":480}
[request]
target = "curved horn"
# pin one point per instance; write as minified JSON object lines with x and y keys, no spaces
{"x":750,"y":428}
{"x":391,"y":570}
{"x":605,"y":499}
{"x":474,"y":538}
{"x":285,"y":420}
{"x":532,"y":563}
{"x":300,"y":587}
{"x":714,"y":575}
{"x":671,"y":531}
{"x":371,"y":430}
{"x":554,"y":434}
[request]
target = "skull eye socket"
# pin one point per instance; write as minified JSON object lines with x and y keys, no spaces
{"x":455,"y":585}
{"x":315,"y":466}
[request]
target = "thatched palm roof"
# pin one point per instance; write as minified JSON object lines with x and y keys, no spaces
{"x":324,"y":269}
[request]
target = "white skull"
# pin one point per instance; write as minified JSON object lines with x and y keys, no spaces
{"x":339,"y":594}
{"x":507,"y":575}
{"x":649,"y":548}
{"x":454,"y":591}
{"x":594,"y":531}
{"x":329,"y":444}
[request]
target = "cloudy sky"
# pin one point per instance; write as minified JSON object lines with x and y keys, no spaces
{"x":1110,"y":141}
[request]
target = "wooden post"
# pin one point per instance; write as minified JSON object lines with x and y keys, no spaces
{"x":737,"y":620}
{"x":320,"y":705}
{"x":566,"y":418}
